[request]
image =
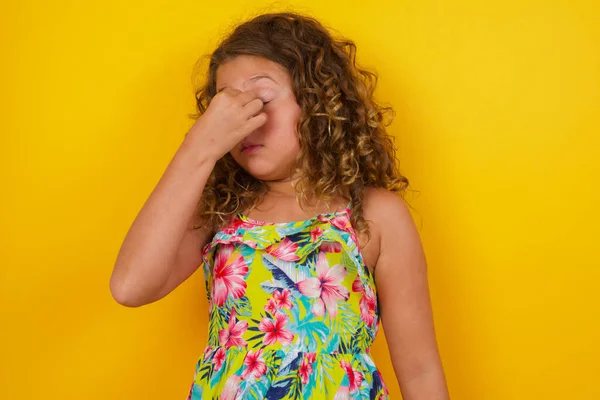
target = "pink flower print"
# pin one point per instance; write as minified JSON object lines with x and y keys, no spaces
{"x":275,"y":331}
{"x":231,"y":390}
{"x":355,"y":377}
{"x":316,"y":233}
{"x":228,"y":275}
{"x":219,"y":358}
{"x":271,"y":306}
{"x":326,"y":287}
{"x":340,"y":222}
{"x":284,"y":250}
{"x":255,"y":366}
{"x":305,"y":370}
{"x":342,"y":393}
{"x":232,"y":335}
{"x":207,"y":351}
{"x":331,"y":247}
{"x":279,"y":300}
{"x":306,"y":367}
{"x":343,"y":223}
{"x":282,"y":298}
{"x":322,"y":218}
{"x":367,"y":309}
{"x":357,"y":285}
{"x":367,"y":302}
{"x":237,"y":224}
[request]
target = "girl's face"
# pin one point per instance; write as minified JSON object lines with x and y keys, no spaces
{"x":268,"y":153}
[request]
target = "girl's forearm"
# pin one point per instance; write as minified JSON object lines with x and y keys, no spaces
{"x":150,"y":246}
{"x":428,"y":385}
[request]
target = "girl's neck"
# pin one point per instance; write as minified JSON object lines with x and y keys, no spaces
{"x":282,"y":188}
{"x":281,"y":201}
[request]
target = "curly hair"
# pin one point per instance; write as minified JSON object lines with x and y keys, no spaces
{"x":344,"y":147}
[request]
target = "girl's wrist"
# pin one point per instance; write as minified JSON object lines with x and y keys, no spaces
{"x":195,"y":153}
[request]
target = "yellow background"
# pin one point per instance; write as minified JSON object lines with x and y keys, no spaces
{"x":498,"y":117}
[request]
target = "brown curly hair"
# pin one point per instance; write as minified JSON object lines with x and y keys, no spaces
{"x":344,"y":147}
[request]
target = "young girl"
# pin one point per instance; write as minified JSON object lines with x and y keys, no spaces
{"x":287,"y":191}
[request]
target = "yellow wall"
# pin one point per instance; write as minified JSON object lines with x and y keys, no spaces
{"x":498,"y":119}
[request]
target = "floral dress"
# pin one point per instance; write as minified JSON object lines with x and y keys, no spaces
{"x":293,"y":313}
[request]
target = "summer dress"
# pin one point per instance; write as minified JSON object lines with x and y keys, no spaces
{"x":293,"y":313}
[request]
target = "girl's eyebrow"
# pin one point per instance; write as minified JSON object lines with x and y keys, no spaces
{"x":254,"y":78}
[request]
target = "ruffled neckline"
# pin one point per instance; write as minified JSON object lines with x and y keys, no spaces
{"x":327,"y":215}
{"x":257,"y":234}
{"x":262,"y":234}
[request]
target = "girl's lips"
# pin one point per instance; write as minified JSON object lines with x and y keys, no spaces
{"x":251,"y":148}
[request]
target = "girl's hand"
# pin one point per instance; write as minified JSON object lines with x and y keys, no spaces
{"x":230,"y":117}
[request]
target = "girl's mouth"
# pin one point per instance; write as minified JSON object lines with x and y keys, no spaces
{"x":251,"y":148}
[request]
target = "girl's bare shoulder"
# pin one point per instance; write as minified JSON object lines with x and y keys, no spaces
{"x":380,"y":208}
{"x":380,"y":205}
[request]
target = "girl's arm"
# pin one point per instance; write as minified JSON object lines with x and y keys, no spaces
{"x":405,"y":307}
{"x":161,"y":249}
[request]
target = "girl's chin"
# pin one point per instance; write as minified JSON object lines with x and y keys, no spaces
{"x":264,"y":169}
{"x":261,"y":172}
{"x":265,"y":174}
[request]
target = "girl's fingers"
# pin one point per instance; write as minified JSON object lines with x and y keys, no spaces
{"x":246,"y":97}
{"x":252,"y":108}
{"x":253,"y":123}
